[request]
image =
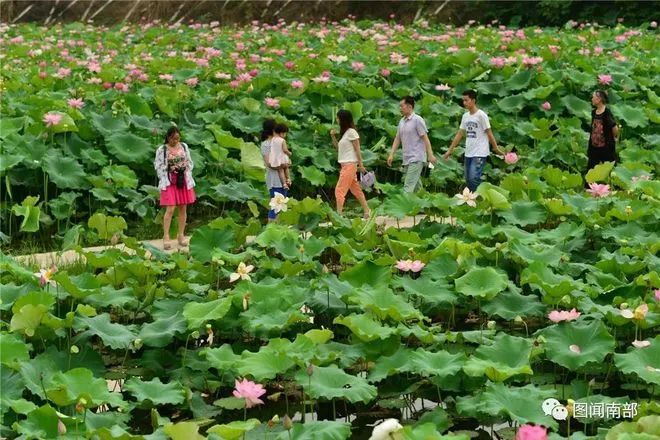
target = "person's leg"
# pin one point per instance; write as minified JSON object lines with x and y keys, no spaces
{"x":272,"y":215}
{"x":356,"y":190}
{"x":473,"y":168}
{"x":412,"y":178}
{"x":282,"y":174}
{"x":346,"y":174}
{"x":183,"y":216}
{"x":167,"y":221}
{"x":287,"y":175}
{"x":467,"y":162}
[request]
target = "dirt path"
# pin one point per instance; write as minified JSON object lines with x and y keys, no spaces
{"x":48,"y":259}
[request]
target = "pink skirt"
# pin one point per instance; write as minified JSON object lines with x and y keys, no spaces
{"x":173,"y":196}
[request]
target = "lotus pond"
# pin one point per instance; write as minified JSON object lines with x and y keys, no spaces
{"x":540,"y":291}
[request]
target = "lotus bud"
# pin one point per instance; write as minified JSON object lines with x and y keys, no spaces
{"x":274,"y":421}
{"x":623,"y":306}
{"x":250,"y":88}
{"x":310,"y":369}
{"x":61,"y":427}
{"x":209,"y":327}
{"x":287,"y":422}
{"x":115,"y":238}
{"x":592,"y":383}
{"x":80,"y":406}
{"x":518,"y":319}
{"x":569,"y":406}
{"x":74,"y":349}
{"x":246,"y":301}
{"x":490,"y":325}
{"x":628,"y":210}
{"x":137,"y":343}
{"x":195,"y":334}
{"x":566,"y":299}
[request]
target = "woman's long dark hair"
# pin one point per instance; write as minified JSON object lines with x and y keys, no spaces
{"x":345,"y":118}
{"x":602,"y":94}
{"x":267,"y":129}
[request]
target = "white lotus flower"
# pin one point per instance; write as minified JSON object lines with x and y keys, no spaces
{"x":279,"y":203}
{"x":242,"y":272}
{"x":641,"y":344}
{"x":386,"y":430}
{"x":468,"y":197}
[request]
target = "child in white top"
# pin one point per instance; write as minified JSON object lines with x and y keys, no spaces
{"x":279,"y":157}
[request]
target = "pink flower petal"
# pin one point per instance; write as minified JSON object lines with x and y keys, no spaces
{"x":575,"y":349}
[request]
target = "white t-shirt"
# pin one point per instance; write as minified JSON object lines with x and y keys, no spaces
{"x":475,"y":126}
{"x":346,"y":152}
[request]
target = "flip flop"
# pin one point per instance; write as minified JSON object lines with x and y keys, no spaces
{"x":167,"y":245}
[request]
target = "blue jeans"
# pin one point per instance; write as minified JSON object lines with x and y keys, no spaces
{"x":474,"y":166}
{"x":272,"y":214}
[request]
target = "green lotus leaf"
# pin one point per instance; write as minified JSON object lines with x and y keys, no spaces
{"x":520,"y":404}
{"x":431,"y":292}
{"x":313,"y":175}
{"x":519,"y":81}
{"x":41,"y":423}
{"x":525,"y":213}
{"x":29,"y":212}
{"x":252,"y":161}
{"x":645,"y":428}
{"x":507,"y":357}
{"x":115,"y":336}
{"x":530,"y":252}
{"x":367,"y":91}
{"x":183,"y":431}
{"x":386,"y":366}
{"x":67,"y":388}
{"x":575,"y":344}
{"x":64,"y":171}
{"x":332,"y":382}
{"x":364,"y":327}
{"x":314,"y":430}
{"x":463,"y":57}
{"x":367,"y":273}
{"x":166,"y":99}
{"x":129,"y":148}
{"x":510,"y":304}
{"x":121,"y":176}
{"x":13,"y":350}
{"x":540,"y":276}
{"x":512,"y":104}
{"x":65,"y":125}
{"x":64,"y":205}
{"x":355,"y":108}
{"x":206,"y":239}
{"x":28,"y":318}
{"x":222,"y":359}
{"x":577,"y":106}
{"x":494,"y":196}
{"x":107,"y":124}
{"x":633,"y":116}
{"x":641,"y":361}
{"x":160,"y":332}
{"x":482,"y":282}
{"x":250,"y":104}
{"x":383,"y":303}
{"x":199,"y":313}
{"x":238,"y":192}
{"x":106,"y":226}
{"x":234,"y":430}
{"x":156,"y":392}
{"x":138,"y":105}
{"x":429,"y":431}
{"x":600,"y":173}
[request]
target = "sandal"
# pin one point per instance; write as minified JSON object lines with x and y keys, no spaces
{"x":167,"y":245}
{"x":183,"y":241}
{"x":367,"y":215}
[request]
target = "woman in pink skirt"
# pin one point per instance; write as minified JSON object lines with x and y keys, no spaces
{"x":174,"y":166}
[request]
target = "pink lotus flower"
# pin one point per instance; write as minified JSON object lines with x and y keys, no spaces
{"x":605,"y":79}
{"x":121,"y":87}
{"x":442,"y":87}
{"x":511,"y":158}
{"x":289,"y":65}
{"x":531,"y":432}
{"x":192,"y":82}
{"x":357,"y":66}
{"x":657,"y":294}
{"x":558,"y":316}
{"x":272,"y":102}
{"x":222,"y":75}
{"x":297,"y":84}
{"x":416,"y":266}
{"x":575,"y":349}
{"x":641,"y":344}
{"x":253,"y":72}
{"x":234,"y":84}
{"x":63,"y":72}
{"x":43,"y":75}
{"x":385,"y":72}
{"x":546,"y":106}
{"x":76,"y":103}
{"x":249,"y":391}
{"x":532,"y":61}
{"x":598,"y":50}
{"x":51,"y":119}
{"x":404,"y":265}
{"x":654,"y":24}
{"x":498,"y":62}
{"x":107,"y":85}
{"x":166,"y":77}
{"x":598,"y":190}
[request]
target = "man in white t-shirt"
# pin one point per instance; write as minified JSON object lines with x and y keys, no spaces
{"x":475,"y":126}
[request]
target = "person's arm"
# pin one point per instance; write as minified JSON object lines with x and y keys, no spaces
{"x":493,"y":142}
{"x":615,"y":131}
{"x":358,"y":153}
{"x":160,"y":166}
{"x":267,"y":162}
{"x":333,"y":136}
{"x":285,"y":150}
{"x":395,"y":146}
{"x":615,"y":127}
{"x":454,"y":143}
{"x":429,"y":150}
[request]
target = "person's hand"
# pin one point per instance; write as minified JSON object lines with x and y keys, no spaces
{"x":362,"y":168}
{"x":432,"y":159}
{"x":333,"y":133}
{"x":390,"y":158}
{"x":446,"y":156}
